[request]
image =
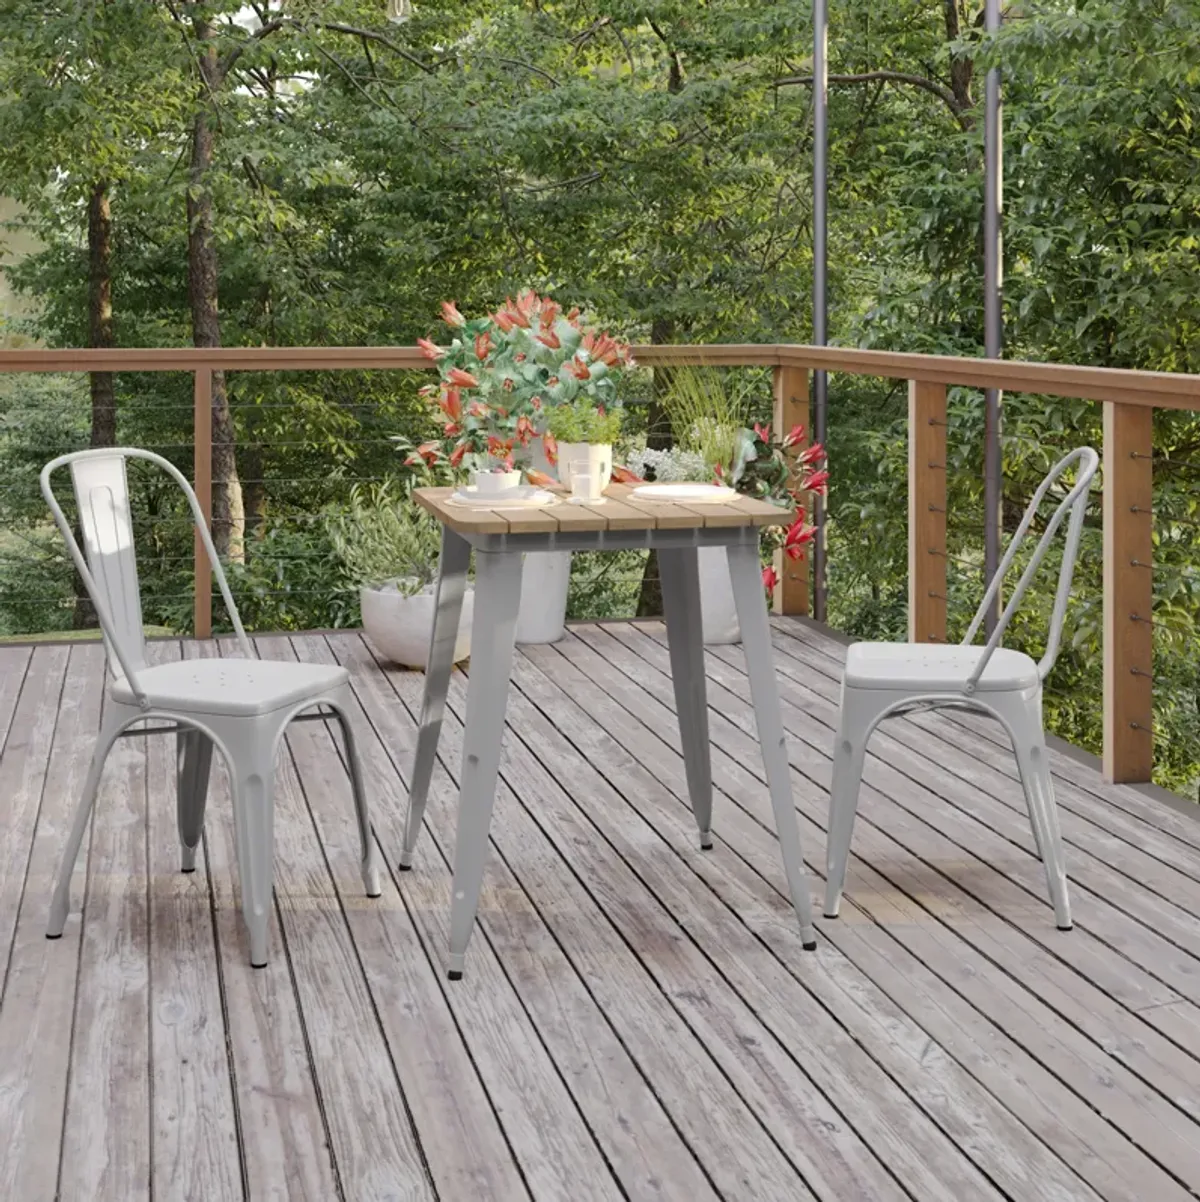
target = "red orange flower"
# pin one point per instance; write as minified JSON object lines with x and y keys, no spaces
{"x":456,"y":456}
{"x":451,"y":404}
{"x":579,"y":369}
{"x":794,"y":435}
{"x":818,"y":482}
{"x":429,"y":451}
{"x":483,"y":344}
{"x":763,"y":433}
{"x":451,"y":316}
{"x":622,"y":475}
{"x":549,"y":338}
{"x":797,"y":538}
{"x":525,"y":430}
{"x":811,"y":454}
{"x":550,"y":446}
{"x":430,"y":350}
{"x":463,"y":379}
{"x":770,"y":579}
{"x":499,"y":448}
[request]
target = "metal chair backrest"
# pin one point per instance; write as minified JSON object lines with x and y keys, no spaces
{"x":108,"y":563}
{"x":1074,"y":503}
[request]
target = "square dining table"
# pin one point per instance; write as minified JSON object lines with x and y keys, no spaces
{"x":501,"y":537}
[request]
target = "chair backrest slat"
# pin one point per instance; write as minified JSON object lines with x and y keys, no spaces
{"x":1085,"y":461}
{"x":102,"y":497}
{"x":108,"y":564}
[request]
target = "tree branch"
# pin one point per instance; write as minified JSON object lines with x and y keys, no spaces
{"x":356,"y":32}
{"x":943,"y":93}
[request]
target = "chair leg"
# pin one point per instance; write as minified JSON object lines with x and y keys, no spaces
{"x":452,"y":583}
{"x":252,"y":748}
{"x":369,"y":863}
{"x":745,"y":572}
{"x":685,"y":639}
{"x":849,"y":752}
{"x":60,"y":902}
{"x":497,"y":594}
{"x":193,"y":755}
{"x":1029,"y":743}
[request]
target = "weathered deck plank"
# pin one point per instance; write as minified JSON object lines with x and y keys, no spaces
{"x":638,"y":1019}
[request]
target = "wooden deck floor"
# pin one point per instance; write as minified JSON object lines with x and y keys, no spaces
{"x":637,"y":1018}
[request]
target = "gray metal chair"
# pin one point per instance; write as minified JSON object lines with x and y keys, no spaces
{"x":240,"y":706}
{"x":883,"y":680}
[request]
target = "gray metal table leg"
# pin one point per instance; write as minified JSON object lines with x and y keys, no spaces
{"x":497,"y":597}
{"x":452,"y":582}
{"x":681,"y":600}
{"x":745,"y":572}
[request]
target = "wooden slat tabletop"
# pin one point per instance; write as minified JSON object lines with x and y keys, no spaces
{"x":620,"y":510}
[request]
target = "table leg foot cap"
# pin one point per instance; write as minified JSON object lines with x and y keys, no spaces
{"x":810,"y":947}
{"x":455,"y":974}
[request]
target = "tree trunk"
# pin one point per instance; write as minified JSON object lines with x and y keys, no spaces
{"x":100,"y":334}
{"x":962,"y":69}
{"x":228,"y":516}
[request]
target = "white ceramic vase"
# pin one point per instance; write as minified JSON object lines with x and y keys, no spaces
{"x":594,"y":452}
{"x":401,"y":627}
{"x":718,"y":611}
{"x":542,"y":616}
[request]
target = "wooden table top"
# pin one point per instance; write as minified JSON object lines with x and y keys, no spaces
{"x":620,"y":510}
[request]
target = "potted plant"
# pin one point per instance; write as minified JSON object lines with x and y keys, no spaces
{"x":388,"y":546}
{"x":584,"y":432}
{"x":501,"y":376}
{"x":713,"y":443}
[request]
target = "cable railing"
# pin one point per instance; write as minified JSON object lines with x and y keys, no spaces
{"x":1128,"y":398}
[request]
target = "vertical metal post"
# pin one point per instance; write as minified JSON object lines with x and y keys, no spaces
{"x":820,"y":257}
{"x":202,"y":483}
{"x":993,"y":329}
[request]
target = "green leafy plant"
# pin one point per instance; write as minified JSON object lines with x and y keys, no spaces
{"x":581,"y":421}
{"x":383,"y":537}
{"x":503,"y":373}
{"x":705,"y":414}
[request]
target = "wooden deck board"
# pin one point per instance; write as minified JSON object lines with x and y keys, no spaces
{"x":637,"y":1020}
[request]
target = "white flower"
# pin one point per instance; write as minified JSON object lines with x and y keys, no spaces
{"x":670,"y":466}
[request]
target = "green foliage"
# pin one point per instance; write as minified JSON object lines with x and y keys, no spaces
{"x":383,"y":535}
{"x":705,"y":413}
{"x":580,"y":421}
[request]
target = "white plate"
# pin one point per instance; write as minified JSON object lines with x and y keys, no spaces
{"x":524,"y":496}
{"x":690,"y":493}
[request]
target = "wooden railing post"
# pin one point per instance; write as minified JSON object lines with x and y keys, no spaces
{"x":791,"y":409}
{"x":926,"y":512}
{"x":1128,"y":592}
{"x":202,"y":483}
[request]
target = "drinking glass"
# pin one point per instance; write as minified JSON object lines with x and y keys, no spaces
{"x":587,"y":481}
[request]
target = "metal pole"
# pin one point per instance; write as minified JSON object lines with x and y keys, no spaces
{"x":820,"y":254}
{"x":993,"y":329}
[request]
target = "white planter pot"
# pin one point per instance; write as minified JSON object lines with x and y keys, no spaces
{"x":718,"y":612}
{"x":401,"y":627}
{"x":542,"y":617}
{"x":595,"y":453}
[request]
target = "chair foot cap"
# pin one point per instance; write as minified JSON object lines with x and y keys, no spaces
{"x":1070,"y":926}
{"x":706,"y":844}
{"x":810,"y":947}
{"x":262,"y":965}
{"x":404,"y":867}
{"x":377,"y":893}
{"x":455,"y":974}
{"x":58,"y":936}
{"x":189,"y":871}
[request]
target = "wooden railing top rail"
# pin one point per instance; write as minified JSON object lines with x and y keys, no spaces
{"x":1163,"y":390}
